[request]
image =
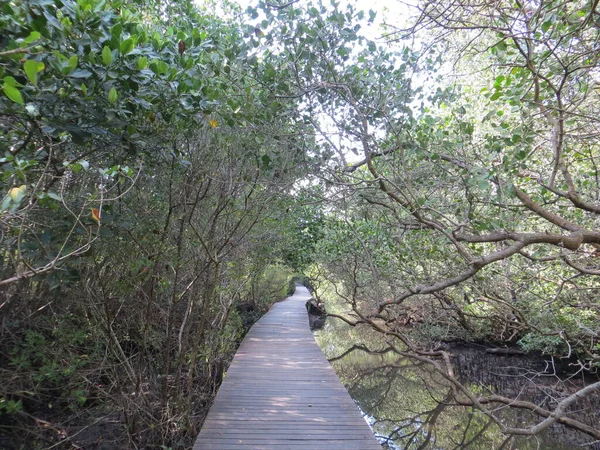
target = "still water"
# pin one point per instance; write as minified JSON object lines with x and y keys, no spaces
{"x":410,"y":407}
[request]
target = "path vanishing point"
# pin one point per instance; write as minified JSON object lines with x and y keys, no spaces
{"x":280,"y":392}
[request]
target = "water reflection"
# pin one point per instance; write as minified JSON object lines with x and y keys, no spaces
{"x":410,"y":406}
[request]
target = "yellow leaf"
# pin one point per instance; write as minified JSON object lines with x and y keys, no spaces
{"x":213,"y":123}
{"x":17,"y":193}
{"x":96,"y":214}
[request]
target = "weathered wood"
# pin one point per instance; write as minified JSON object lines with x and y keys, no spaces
{"x":280,"y":392}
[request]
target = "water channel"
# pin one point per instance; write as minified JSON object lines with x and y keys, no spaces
{"x":411,"y":407}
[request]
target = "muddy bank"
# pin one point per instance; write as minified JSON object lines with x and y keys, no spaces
{"x":537,"y":378}
{"x":409,"y":406}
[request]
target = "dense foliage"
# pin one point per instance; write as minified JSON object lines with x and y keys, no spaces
{"x":472,"y":210}
{"x":164,"y":169}
{"x":145,"y":182}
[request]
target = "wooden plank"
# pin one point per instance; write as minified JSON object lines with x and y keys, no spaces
{"x":314,"y":444}
{"x":280,"y":392}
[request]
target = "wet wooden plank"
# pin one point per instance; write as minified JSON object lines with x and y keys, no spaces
{"x":280,"y":392}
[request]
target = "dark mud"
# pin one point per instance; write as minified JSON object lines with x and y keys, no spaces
{"x":411,"y":407}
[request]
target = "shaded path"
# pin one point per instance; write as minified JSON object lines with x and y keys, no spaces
{"x":280,"y":392}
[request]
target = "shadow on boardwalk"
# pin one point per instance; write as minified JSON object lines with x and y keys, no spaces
{"x":281,"y":392}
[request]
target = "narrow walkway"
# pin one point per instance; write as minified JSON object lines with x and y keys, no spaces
{"x":280,"y":392}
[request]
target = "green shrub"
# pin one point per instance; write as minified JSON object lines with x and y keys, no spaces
{"x":549,"y":345}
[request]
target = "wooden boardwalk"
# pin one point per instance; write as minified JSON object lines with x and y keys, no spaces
{"x":280,"y":392}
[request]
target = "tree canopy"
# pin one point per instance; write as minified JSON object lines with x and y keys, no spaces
{"x":166,"y":169}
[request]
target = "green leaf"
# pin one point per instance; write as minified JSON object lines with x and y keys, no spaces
{"x":13,"y":93}
{"x":115,"y":31}
{"x":52,"y":20}
{"x":266,"y":162}
{"x":546,"y":26}
{"x":106,"y":55}
{"x":521,"y":154}
{"x":32,"y":68}
{"x":33,"y":36}
{"x":127,"y":46}
{"x":142,"y":63}
{"x":112,"y":95}
{"x":159,"y":67}
{"x":10,"y":81}
{"x":342,"y":51}
{"x":81,"y":73}
{"x":72,"y":64}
